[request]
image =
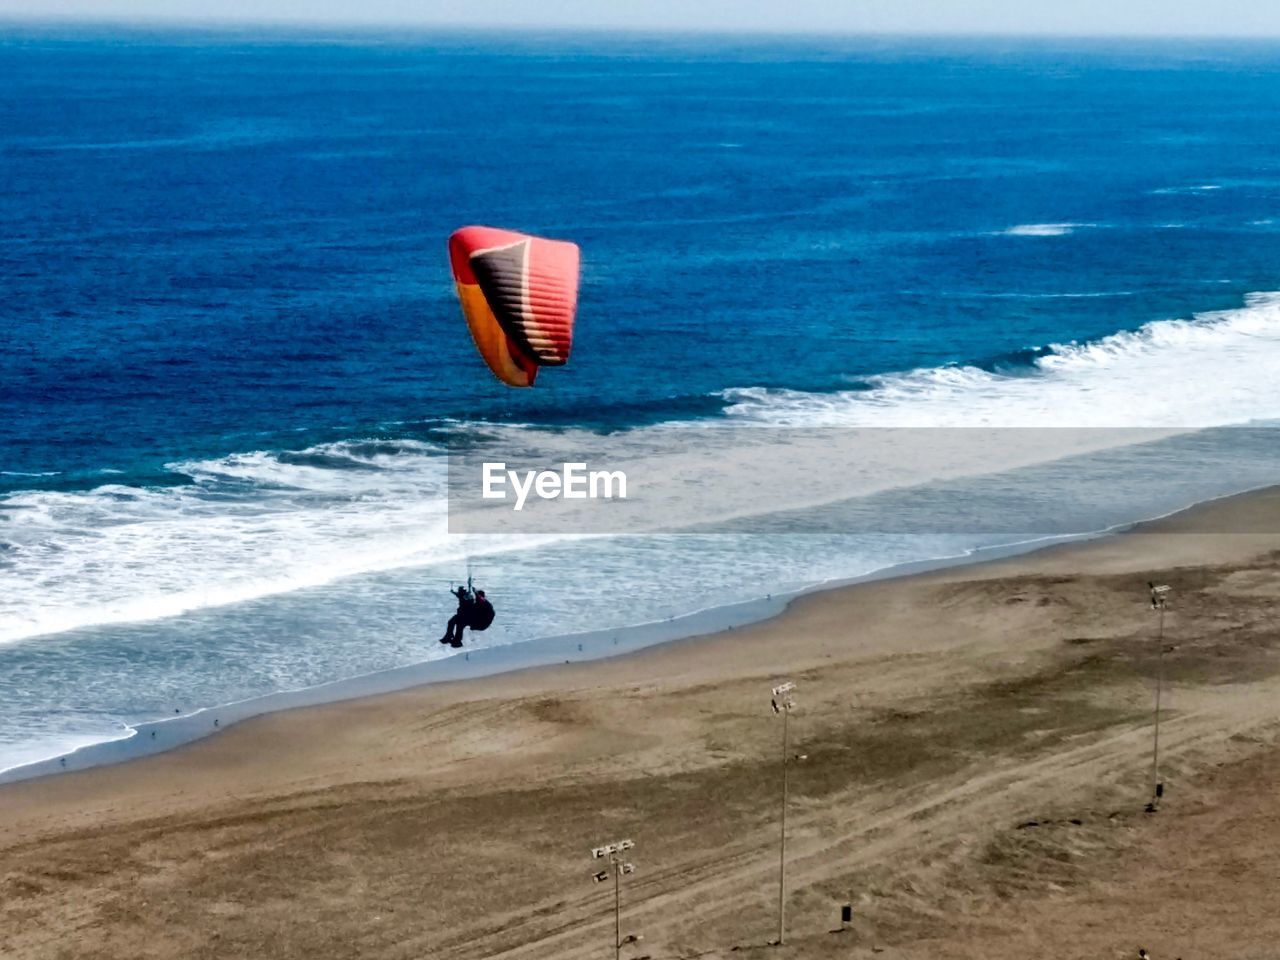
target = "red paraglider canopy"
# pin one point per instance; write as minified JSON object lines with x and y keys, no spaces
{"x":519,"y":295}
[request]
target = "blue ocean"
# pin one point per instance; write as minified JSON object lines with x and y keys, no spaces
{"x":232,"y":361}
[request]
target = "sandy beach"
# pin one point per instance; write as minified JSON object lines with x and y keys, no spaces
{"x":973,"y":756}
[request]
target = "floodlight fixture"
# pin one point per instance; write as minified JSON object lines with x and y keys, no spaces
{"x":618,"y":869}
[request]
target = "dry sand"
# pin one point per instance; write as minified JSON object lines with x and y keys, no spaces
{"x":977,"y":754}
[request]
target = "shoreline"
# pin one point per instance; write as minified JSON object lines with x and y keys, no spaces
{"x":486,"y":662}
{"x":973,"y":753}
{"x":156,"y":737}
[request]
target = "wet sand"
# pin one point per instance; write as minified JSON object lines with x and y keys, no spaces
{"x":954,"y":727}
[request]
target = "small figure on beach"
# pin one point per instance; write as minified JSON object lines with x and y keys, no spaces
{"x":474,"y":611}
{"x":1142,"y":954}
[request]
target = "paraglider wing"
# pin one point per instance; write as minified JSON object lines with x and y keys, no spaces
{"x":519,"y":295}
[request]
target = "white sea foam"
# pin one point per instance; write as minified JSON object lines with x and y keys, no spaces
{"x":1194,"y":188}
{"x":1012,"y":295}
{"x":1043,"y":229}
{"x":1212,"y":370}
{"x":259,"y":523}
{"x":248,"y":525}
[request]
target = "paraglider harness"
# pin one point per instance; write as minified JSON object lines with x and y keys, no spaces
{"x":478,"y":611}
{"x":482,"y":614}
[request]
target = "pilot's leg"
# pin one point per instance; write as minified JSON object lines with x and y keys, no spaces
{"x":450,"y":629}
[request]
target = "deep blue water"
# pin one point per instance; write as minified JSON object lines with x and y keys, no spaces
{"x":211,"y":239}
{"x":223,"y":269}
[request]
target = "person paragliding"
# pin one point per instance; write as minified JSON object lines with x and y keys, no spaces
{"x":458,"y":622}
{"x":474,"y":611}
{"x":519,"y":295}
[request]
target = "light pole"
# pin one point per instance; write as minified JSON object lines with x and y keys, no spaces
{"x":617,"y":867}
{"x":783,"y":704}
{"x":1159,"y":599}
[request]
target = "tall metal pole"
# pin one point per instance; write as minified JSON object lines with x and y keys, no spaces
{"x":1155,"y":749}
{"x":782,"y":844}
{"x":1159,"y":600}
{"x":614,"y":852}
{"x":782,"y":703}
